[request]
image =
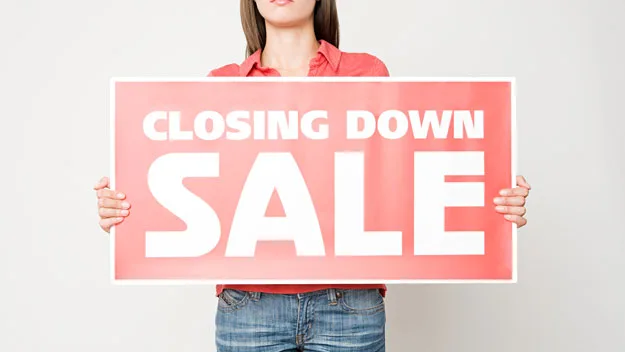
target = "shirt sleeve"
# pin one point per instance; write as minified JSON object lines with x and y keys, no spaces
{"x":379,"y":69}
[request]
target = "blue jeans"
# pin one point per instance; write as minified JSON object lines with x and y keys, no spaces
{"x":323,"y":321}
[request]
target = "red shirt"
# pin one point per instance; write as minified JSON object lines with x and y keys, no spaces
{"x":329,"y":61}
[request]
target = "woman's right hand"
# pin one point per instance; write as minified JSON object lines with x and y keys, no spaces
{"x":112,"y":206}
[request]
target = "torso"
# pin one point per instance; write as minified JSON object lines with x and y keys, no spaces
{"x":329,"y":61}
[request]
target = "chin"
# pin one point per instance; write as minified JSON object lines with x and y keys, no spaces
{"x":286,"y":21}
{"x":296,"y":13}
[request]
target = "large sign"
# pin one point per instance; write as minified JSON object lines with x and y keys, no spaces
{"x":313,"y":180}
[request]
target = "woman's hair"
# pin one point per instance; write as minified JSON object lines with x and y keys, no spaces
{"x":326,"y":24}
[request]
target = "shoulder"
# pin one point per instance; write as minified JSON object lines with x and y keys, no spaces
{"x":228,"y":70}
{"x":365,"y":63}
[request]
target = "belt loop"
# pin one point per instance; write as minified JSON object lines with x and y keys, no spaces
{"x":255,"y":296}
{"x":332,"y":296}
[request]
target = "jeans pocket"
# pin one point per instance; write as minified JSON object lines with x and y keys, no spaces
{"x":369,"y":301}
{"x":231,"y":300}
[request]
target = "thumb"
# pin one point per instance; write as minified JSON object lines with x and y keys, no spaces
{"x":103,"y":183}
{"x":520,"y":180}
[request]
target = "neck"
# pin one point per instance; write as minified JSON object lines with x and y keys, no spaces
{"x":289,"y":48}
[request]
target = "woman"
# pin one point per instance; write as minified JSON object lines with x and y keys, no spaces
{"x":299,"y":38}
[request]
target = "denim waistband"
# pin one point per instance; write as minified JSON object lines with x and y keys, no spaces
{"x":332,"y":293}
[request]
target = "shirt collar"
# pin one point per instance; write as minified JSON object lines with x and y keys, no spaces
{"x":249,"y":63}
{"x":328,"y":51}
{"x":331,"y":53}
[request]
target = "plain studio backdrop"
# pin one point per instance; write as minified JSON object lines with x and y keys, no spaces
{"x":568,"y":58}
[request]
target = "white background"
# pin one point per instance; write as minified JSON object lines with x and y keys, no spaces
{"x":567,"y":55}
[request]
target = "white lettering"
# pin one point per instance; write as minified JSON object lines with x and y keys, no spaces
{"x":432,"y":194}
{"x":259,"y":125}
{"x":175,"y":131}
{"x":353,"y":121}
{"x":279,"y":172}
{"x":277,"y":124}
{"x":350,"y":237}
{"x":286,"y":125}
{"x":165,"y":182}
{"x":308,"y":120}
{"x":217,"y":123}
{"x":236,"y":120}
{"x":440,"y":127}
{"x":149,"y":125}
{"x":474,"y":129}
{"x":384,"y":124}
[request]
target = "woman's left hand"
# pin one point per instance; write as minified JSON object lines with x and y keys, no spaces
{"x":511,"y":202}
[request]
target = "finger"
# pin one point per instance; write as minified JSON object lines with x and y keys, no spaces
{"x":517,"y":191}
{"x":112,"y":213}
{"x":520,"y":181}
{"x":107,"y":223}
{"x":113,"y":203}
{"x":516,"y":201}
{"x":103,"y":183}
{"x":510,"y":210}
{"x":109,"y":193}
{"x":518,"y":220}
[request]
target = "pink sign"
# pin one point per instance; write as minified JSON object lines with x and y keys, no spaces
{"x":313,"y":180}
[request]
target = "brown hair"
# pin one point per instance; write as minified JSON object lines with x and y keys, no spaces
{"x":326,"y":22}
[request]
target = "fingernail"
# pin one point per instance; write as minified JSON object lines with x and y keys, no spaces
{"x":508,"y":217}
{"x":125,"y":205}
{"x":500,"y":208}
{"x":119,"y":219}
{"x":498,"y":200}
{"x":120,"y":195}
{"x":504,"y":192}
{"x":124,"y":212}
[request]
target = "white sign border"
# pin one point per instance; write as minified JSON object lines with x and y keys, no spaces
{"x":175,"y":282}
